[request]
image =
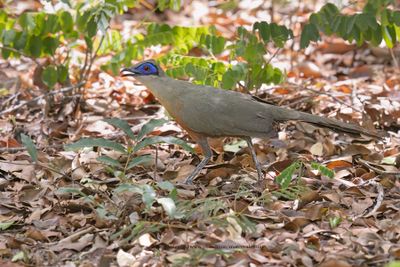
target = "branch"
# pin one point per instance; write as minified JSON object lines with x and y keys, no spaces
{"x":21,"y":53}
{"x":330,"y":95}
{"x":89,"y":62}
{"x":63,"y":90}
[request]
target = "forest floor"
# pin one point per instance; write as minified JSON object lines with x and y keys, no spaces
{"x":69,"y":209}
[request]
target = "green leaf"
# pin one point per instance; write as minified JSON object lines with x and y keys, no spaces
{"x":148,"y":195}
{"x":89,"y":42}
{"x":389,"y":35}
{"x":66,"y":21}
{"x":343,"y":27}
{"x":6,"y":225}
{"x":169,"y":207}
{"x":109,"y":161}
{"x":393,"y":264}
{"x":280,"y":34}
{"x":149,"y":127}
{"x":334,"y":222}
{"x":123,"y":125}
{"x":364,"y":21}
{"x":277,"y":77}
{"x":95,"y":142}
{"x":3,"y":15}
{"x":70,"y":190}
{"x":49,"y":76}
{"x":20,"y":40}
{"x":254,"y":53}
{"x":30,"y":146}
{"x":62,"y":73}
{"x":316,"y":19}
{"x":175,"y":5}
{"x":361,"y":22}
{"x":235,"y":146}
{"x":103,"y":23}
{"x":40,"y":23}
{"x":104,"y":214}
{"x":357,"y":36}
{"x":129,"y":188}
{"x":285,"y":177}
{"x":143,"y":159}
{"x":215,"y":44}
{"x":27,"y":22}
{"x":396,"y":17}
{"x":351,"y":24}
{"x":91,"y":28}
{"x":5,"y":53}
{"x":323,"y":170}
{"x":52,"y":24}
{"x":50,"y":45}
{"x":166,"y":185}
{"x":35,"y":45}
{"x":20,"y":256}
{"x":376,"y":36}
{"x":8,"y":37}
{"x":229,"y":79}
{"x":330,"y":11}
{"x":263,"y":29}
{"x":81,"y":20}
{"x":196,"y":71}
{"x":390,"y":160}
{"x":235,"y":74}
{"x":386,"y":17}
{"x":309,"y":33}
{"x":163,"y":139}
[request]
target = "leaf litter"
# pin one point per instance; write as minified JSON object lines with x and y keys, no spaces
{"x":69,"y":209}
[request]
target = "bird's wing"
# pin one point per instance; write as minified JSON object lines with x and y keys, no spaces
{"x":217,"y":112}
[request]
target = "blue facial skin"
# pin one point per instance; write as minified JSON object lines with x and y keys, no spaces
{"x":146,"y":69}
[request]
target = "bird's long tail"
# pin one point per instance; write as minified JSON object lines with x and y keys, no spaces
{"x":285,"y":114}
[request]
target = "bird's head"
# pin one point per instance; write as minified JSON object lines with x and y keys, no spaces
{"x":144,"y":68}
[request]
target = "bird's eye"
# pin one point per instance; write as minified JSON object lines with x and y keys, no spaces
{"x":146,"y":68}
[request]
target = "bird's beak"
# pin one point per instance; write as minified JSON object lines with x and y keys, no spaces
{"x":128,"y":72}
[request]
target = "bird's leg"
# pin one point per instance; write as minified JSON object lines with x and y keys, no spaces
{"x":254,"y":156}
{"x":207,"y":152}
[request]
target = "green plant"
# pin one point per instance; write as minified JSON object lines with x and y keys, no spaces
{"x":136,"y":143}
{"x":285,"y":177}
{"x":393,"y":264}
{"x":375,"y":23}
{"x":250,"y":46}
{"x":56,"y":35}
{"x":41,"y":35}
{"x":334,"y":221}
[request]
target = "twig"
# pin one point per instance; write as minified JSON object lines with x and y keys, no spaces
{"x":21,"y":53}
{"x":63,"y":90}
{"x":330,"y":95}
{"x":274,"y":55}
{"x":300,"y":100}
{"x":39,"y":165}
{"x":92,"y":58}
{"x":155,"y":164}
{"x":395,"y":62}
{"x":10,"y":98}
{"x":17,"y":149}
{"x":377,"y":170}
{"x":81,"y":78}
{"x":378,"y":201}
{"x":73,"y":237}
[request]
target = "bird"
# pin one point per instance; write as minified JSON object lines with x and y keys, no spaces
{"x":206,"y":111}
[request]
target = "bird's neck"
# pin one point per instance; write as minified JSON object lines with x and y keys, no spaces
{"x":164,"y":88}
